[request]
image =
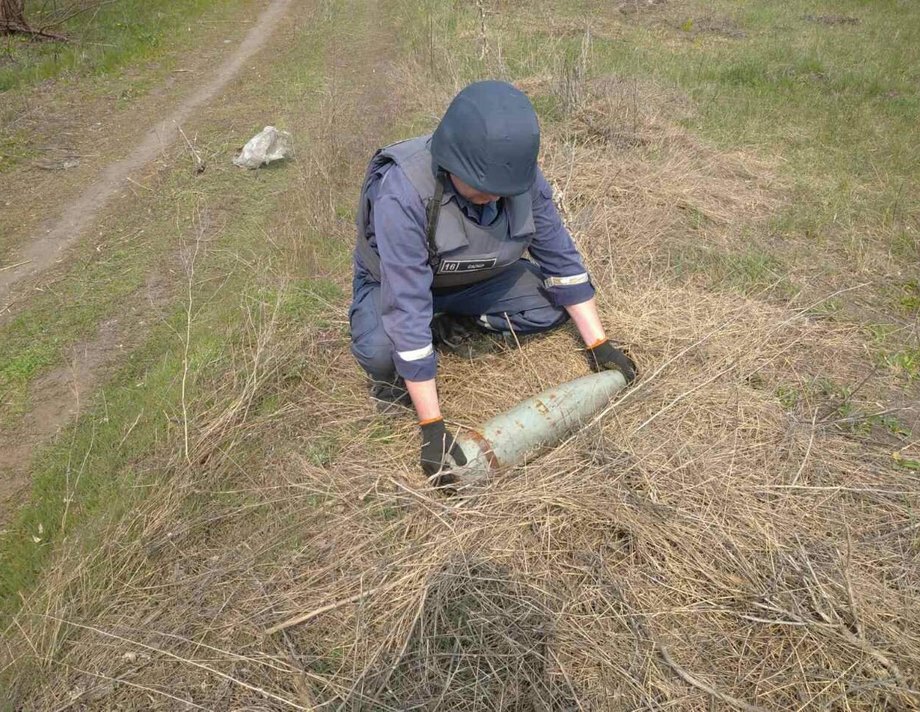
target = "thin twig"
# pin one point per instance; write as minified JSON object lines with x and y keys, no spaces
{"x":199,"y":161}
{"x":72,"y":491}
{"x":690,"y":679}
{"x":811,"y":440}
{"x":483,"y":44}
{"x":297,"y":620}
{"x":190,"y":284}
{"x":565,"y":676}
{"x":14,"y":266}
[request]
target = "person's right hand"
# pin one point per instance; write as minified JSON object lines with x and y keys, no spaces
{"x":440,"y":453}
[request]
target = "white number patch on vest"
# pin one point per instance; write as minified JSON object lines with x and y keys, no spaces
{"x":466,"y":265}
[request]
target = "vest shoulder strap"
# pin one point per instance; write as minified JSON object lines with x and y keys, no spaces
{"x":434,"y":212}
{"x":414,"y":158}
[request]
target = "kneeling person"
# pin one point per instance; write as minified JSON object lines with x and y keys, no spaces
{"x":443,"y":223}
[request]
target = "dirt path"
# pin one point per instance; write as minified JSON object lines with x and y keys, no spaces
{"x":45,"y":247}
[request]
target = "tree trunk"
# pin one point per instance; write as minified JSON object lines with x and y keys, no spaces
{"x":12,"y":17}
{"x":13,"y":22}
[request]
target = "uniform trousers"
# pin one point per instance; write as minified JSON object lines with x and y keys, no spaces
{"x":514,"y":299}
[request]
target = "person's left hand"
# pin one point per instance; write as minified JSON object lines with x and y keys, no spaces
{"x":605,"y":357}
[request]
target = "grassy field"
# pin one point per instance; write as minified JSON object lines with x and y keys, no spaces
{"x":739,"y":531}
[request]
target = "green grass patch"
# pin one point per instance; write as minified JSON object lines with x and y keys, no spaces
{"x":894,"y":350}
{"x":905,"y":245}
{"x":322,"y":450}
{"x":908,"y":298}
{"x":103,"y":39}
{"x":837,"y":402}
{"x":15,"y":148}
{"x":839,"y":103}
{"x":751,"y":271}
{"x":788,"y":396}
{"x":309,"y":298}
{"x":17,"y":369}
{"x":906,"y":463}
{"x":905,"y":362}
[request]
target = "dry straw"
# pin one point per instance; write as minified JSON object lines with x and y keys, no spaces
{"x":701,"y":546}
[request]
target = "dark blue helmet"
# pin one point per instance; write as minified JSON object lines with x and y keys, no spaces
{"x":489,"y":138}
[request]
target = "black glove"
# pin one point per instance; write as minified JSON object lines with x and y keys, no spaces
{"x":605,"y":357}
{"x":440,"y":453}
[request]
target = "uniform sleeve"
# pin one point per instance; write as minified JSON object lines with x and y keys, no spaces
{"x":566,"y":278}
{"x":405,"y":275}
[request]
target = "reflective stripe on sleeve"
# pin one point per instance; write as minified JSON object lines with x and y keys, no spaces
{"x":416,"y":354}
{"x":566,"y":281}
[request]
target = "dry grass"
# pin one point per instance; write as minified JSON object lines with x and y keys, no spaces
{"x":697,"y":547}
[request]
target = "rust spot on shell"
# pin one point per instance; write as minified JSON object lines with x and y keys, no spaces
{"x":486,"y":447}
